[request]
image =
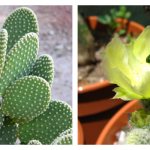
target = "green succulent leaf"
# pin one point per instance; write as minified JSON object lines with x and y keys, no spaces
{"x":19,"y":60}
{"x":126,"y":65}
{"x":44,"y":67}
{"x":18,"y":23}
{"x":49,"y":125}
{"x":8,"y":132}
{"x":26,"y":98}
{"x":3,"y":47}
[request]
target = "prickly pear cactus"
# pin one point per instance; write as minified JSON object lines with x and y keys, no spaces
{"x":3,"y":47}
{"x":8,"y":132}
{"x":19,"y":60}
{"x":49,"y":125}
{"x":44,"y":67}
{"x":63,"y":140}
{"x":26,"y":98}
{"x":1,"y":117}
{"x":18,"y":23}
{"x":27,"y":113}
{"x":34,"y":142}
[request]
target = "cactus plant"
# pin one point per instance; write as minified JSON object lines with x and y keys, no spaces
{"x":3,"y":47}
{"x":27,"y":111}
{"x":49,"y":125}
{"x":127,"y":65}
{"x":63,"y":140}
{"x":34,"y":142}
{"x":138,"y":136}
{"x":44,"y":67}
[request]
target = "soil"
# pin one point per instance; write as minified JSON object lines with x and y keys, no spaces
{"x":94,"y":72}
{"x":55,"y":24}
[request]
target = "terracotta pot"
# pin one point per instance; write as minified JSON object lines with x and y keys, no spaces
{"x":80,"y":133}
{"x":117,"y":122}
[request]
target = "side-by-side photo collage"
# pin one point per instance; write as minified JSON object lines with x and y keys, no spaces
{"x":74,"y":74}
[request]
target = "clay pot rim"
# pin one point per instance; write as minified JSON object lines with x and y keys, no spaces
{"x":112,"y":121}
{"x":80,"y":133}
{"x":105,"y":83}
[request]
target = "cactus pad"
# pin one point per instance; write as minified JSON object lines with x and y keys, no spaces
{"x":65,"y":138}
{"x":19,"y":60}
{"x":49,"y":125}
{"x":18,"y":23}
{"x":138,"y":136}
{"x":34,"y":142}
{"x":44,"y":67}
{"x":1,"y":118}
{"x":8,"y":132}
{"x":3,"y":47}
{"x":26,"y":98}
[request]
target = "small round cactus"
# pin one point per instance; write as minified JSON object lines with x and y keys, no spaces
{"x":138,"y":136}
{"x":49,"y":125}
{"x":34,"y":142}
{"x":26,"y":98}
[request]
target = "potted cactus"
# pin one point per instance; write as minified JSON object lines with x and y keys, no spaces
{"x":128,"y":66}
{"x":28,"y":113}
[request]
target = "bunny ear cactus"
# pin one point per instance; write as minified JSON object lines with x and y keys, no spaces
{"x":19,"y":60}
{"x":18,"y":23}
{"x":1,"y":117}
{"x":8,"y":132}
{"x":44,"y":67}
{"x":26,"y":98}
{"x":127,"y":66}
{"x":26,"y":111}
{"x":3,"y":47}
{"x":49,"y":125}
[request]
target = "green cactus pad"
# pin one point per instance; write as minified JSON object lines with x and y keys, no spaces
{"x":138,"y":136}
{"x":44,"y":67}
{"x":8,"y":132}
{"x":63,"y":140}
{"x":21,"y":21}
{"x":26,"y":98}
{"x":34,"y":142}
{"x":1,"y":117}
{"x":68,"y":131}
{"x":19,"y":60}
{"x":49,"y":125}
{"x":3,"y":47}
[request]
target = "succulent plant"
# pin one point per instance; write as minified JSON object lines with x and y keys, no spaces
{"x":27,"y":110}
{"x":128,"y":66}
{"x":138,"y":136}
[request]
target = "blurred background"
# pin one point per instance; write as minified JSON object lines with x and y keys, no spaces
{"x":55,"y":25}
